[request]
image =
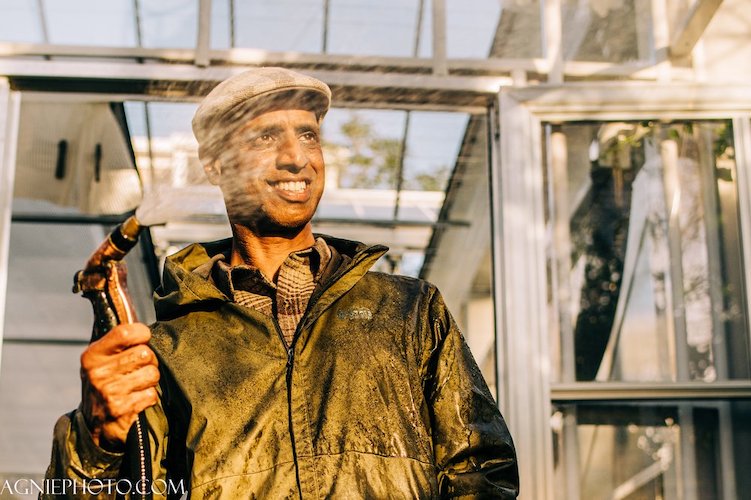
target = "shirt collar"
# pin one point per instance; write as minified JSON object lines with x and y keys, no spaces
{"x":247,"y":277}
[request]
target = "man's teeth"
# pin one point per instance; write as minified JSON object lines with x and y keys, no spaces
{"x":293,"y":187}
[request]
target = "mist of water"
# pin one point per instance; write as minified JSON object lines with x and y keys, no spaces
{"x":171,"y":204}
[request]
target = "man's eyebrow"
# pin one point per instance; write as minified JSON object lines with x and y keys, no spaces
{"x":307,"y":128}
{"x":266,"y":129}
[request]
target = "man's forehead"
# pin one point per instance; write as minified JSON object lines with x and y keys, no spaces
{"x":277,"y":118}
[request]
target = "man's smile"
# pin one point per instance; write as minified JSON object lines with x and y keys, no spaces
{"x":297,"y":190}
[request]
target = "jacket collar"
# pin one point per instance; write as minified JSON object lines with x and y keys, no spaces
{"x":185,"y":285}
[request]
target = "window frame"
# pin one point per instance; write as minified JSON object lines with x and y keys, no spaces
{"x":519,"y":229}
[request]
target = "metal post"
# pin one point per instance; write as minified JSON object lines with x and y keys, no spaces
{"x":710,"y":204}
{"x":561,"y":248}
{"x":325,"y":34}
{"x":742,"y":142}
{"x":661,"y":37}
{"x":203,"y":44}
{"x":669,"y":154}
{"x":570,"y":453}
{"x":9,"y":113}
{"x":496,"y":257}
{"x":552,"y":34}
{"x":687,"y":471}
{"x":522,"y":295}
{"x":440,"y":65}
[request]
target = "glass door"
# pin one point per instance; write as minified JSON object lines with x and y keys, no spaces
{"x":625,"y":308}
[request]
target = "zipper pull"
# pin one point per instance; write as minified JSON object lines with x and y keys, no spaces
{"x":290,"y":357}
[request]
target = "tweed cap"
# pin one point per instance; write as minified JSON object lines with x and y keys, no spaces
{"x":252,"y":92}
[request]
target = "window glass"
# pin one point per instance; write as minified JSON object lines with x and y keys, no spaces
{"x":38,"y":383}
{"x":20,"y":21}
{"x":646,"y":267}
{"x":605,"y":31}
{"x":169,"y":23}
{"x":458,"y":258}
{"x":505,"y":29}
{"x":361,"y":27}
{"x":652,"y":450}
{"x":90,"y":22}
{"x":279,"y":25}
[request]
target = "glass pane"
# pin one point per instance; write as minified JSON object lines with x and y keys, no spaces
{"x":466,"y":288}
{"x":169,"y":23}
{"x":604,"y":31}
{"x":661,"y":450}
{"x":40,"y":303}
{"x":222,"y":31}
{"x":279,"y":25}
{"x":363,"y":150}
{"x":75,"y":154}
{"x":91,"y":22}
{"x":20,"y":21}
{"x":38,"y":383}
{"x":506,"y":29}
{"x":645,"y":259}
{"x":361,"y":27}
{"x":433,"y":141}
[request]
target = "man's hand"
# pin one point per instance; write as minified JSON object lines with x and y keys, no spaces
{"x":119,"y":374}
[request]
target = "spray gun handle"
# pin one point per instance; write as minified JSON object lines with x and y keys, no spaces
{"x":103,"y":281}
{"x":107,"y":290}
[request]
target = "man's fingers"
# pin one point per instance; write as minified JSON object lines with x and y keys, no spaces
{"x":135,"y":357}
{"x":125,"y":395}
{"x":123,"y":409}
{"x":116,"y":430}
{"x":144,"y":399}
{"x":122,"y":337}
{"x":139,"y":380}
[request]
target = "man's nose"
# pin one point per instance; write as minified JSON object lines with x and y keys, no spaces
{"x":291,"y":154}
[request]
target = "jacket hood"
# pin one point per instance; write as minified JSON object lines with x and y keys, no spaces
{"x":185,"y":284}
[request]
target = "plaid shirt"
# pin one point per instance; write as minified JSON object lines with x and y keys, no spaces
{"x":286,"y":299}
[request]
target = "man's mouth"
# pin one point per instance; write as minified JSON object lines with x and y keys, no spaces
{"x":292,"y":191}
{"x":291,"y":186}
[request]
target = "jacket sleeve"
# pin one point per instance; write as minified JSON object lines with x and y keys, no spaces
{"x":472,"y":446}
{"x":76,"y":460}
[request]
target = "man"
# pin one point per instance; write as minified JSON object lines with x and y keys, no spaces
{"x":280,"y":366}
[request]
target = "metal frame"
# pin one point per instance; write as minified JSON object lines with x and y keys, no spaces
{"x":520,"y":295}
{"x":520,"y":255}
{"x":9,"y":114}
{"x":692,"y":27}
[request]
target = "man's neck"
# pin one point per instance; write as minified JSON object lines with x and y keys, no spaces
{"x":267,"y":253}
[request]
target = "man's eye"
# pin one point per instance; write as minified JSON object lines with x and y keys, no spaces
{"x":262,"y":140}
{"x":310,"y":137}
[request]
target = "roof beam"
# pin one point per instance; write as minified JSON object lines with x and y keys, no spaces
{"x":187,"y":82}
{"x":692,"y":27}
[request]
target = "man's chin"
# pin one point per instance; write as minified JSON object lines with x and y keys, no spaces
{"x":265,"y":226}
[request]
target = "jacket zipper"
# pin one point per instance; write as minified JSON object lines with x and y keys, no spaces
{"x":291,"y":359}
{"x":288,"y":380}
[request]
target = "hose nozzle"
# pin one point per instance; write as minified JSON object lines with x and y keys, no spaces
{"x":103,"y":280}
{"x":119,"y":242}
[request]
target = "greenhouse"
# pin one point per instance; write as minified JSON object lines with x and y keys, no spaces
{"x":574,"y":176}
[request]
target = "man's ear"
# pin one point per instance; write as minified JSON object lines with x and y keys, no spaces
{"x":213,"y":171}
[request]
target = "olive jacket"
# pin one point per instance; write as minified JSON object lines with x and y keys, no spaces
{"x":377,"y":397}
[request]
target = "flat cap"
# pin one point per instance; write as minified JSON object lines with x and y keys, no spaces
{"x":251,"y":92}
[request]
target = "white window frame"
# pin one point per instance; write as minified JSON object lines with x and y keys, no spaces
{"x":9,"y":115}
{"x":519,"y":253}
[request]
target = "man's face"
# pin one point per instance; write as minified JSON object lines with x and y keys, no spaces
{"x":272,"y":172}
